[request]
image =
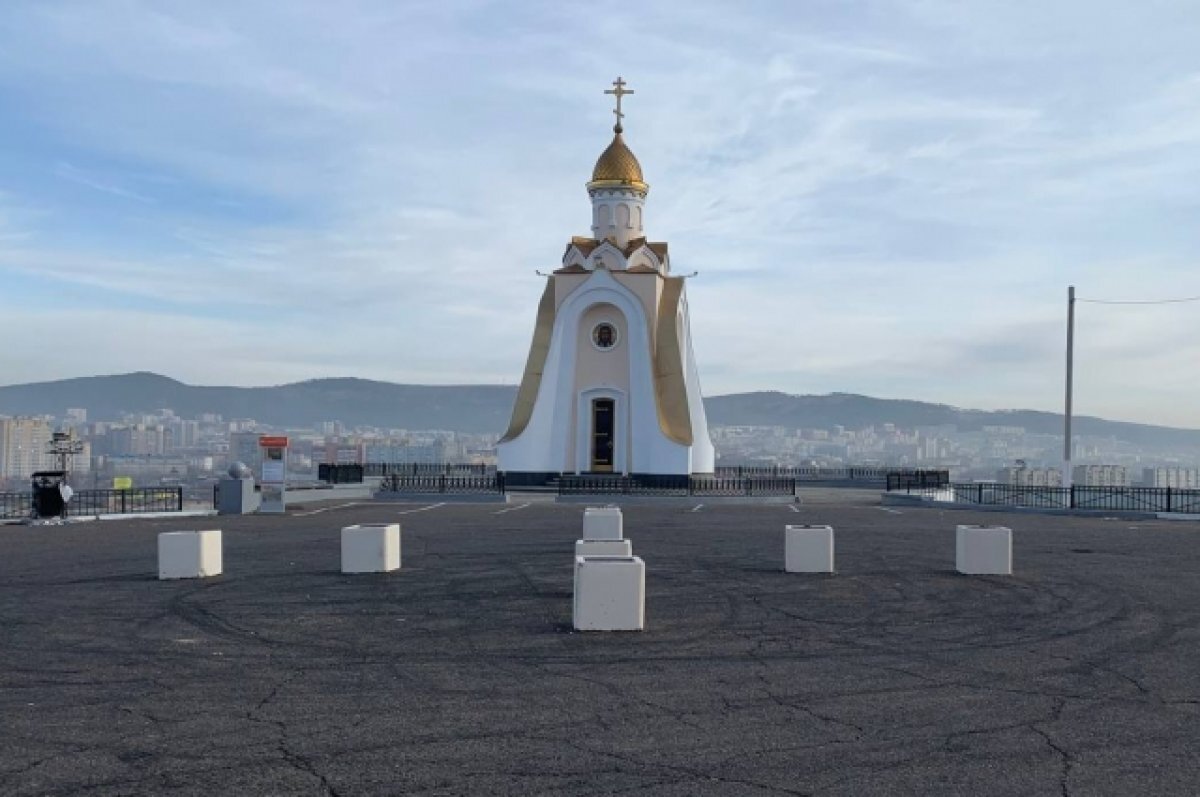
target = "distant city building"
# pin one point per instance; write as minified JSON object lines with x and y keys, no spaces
{"x":201,"y":464}
{"x":76,"y":416}
{"x":138,"y":440}
{"x":186,"y":434}
{"x":23,"y":447}
{"x":244,"y":448}
{"x":1030,"y":477}
{"x":1183,"y":478}
{"x":330,"y":428}
{"x":1101,"y":476}
{"x":408,"y":452}
{"x":337,"y":452}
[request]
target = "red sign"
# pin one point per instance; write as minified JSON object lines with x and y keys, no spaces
{"x":267,"y":441}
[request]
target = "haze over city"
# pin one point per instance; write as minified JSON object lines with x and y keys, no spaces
{"x":881,"y":198}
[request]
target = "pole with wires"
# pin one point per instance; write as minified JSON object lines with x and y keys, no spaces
{"x":1067,"y":446}
{"x":1066,"y":473}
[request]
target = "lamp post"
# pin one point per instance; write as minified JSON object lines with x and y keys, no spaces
{"x":1067,"y":478}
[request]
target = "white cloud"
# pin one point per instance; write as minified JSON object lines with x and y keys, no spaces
{"x":881,"y":197}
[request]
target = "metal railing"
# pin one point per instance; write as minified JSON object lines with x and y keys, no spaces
{"x":442,"y":483}
{"x":14,"y":506}
{"x":374,"y":469}
{"x":711,"y":486}
{"x":122,"y":502}
{"x":816,"y":474}
{"x":902,"y":480}
{"x":86,"y":503}
{"x":356,"y":473}
{"x":1141,"y":499}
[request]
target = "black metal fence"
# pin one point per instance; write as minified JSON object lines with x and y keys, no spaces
{"x":15,"y":505}
{"x":817,"y":474}
{"x":340,"y":474}
{"x":1141,"y":499}
{"x":920,"y":479}
{"x":442,"y":483}
{"x":711,"y":486}
{"x":356,"y":473}
{"x":85,"y":503}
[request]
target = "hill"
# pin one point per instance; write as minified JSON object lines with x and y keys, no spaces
{"x":854,"y":411}
{"x":486,"y":408}
{"x":355,"y":402}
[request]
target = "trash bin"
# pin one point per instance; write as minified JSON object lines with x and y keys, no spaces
{"x":48,"y":499}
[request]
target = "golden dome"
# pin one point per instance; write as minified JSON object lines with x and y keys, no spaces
{"x":617,"y":166}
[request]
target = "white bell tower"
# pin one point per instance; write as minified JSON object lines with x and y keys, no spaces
{"x":610,"y":384}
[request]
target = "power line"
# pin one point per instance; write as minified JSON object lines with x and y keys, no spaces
{"x":1151,"y":301}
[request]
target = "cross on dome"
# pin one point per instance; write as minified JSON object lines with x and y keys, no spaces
{"x":618,"y":91}
{"x":617,"y":165}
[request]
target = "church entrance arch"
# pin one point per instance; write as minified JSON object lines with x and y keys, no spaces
{"x":602,"y":431}
{"x":603,"y":428}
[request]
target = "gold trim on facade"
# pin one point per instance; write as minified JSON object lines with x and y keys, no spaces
{"x":539,"y":350}
{"x":636,"y":185}
{"x":670,"y":388}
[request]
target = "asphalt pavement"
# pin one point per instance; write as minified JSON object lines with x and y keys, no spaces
{"x":460,"y":673}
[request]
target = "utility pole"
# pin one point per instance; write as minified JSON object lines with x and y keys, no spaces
{"x":1067,"y":478}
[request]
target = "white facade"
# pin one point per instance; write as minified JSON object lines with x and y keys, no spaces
{"x":1183,"y":478}
{"x":617,"y":214}
{"x":1030,"y":477}
{"x":611,"y":383}
{"x":1101,"y":476}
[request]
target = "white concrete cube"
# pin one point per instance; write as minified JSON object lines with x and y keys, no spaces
{"x":983,"y":550}
{"x":603,"y":548}
{"x":371,"y":548}
{"x":808,"y":549}
{"x":602,"y":523}
{"x":189,"y":554}
{"x":610,"y":593}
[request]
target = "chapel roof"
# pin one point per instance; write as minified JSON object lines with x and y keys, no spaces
{"x":588,"y":245}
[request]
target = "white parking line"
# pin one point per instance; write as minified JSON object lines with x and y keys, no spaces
{"x":697,"y":507}
{"x":510,"y":509}
{"x":793,"y":507}
{"x":420,"y":509}
{"x":328,"y":509}
{"x":889,"y":511}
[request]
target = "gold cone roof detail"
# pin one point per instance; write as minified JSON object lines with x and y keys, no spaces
{"x":618,"y":166}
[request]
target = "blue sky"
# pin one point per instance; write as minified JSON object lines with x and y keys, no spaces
{"x":881,"y":197}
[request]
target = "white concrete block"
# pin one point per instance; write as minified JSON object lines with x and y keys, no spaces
{"x":983,"y":550}
{"x":371,"y":548}
{"x":603,"y":548}
{"x":808,"y":549}
{"x":610,"y":593}
{"x":602,"y":523}
{"x":189,"y":554}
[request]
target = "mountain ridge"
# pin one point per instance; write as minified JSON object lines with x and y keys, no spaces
{"x":485,"y":408}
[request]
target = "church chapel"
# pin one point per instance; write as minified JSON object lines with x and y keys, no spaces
{"x":610,"y":384}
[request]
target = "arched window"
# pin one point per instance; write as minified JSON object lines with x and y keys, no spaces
{"x":623,"y":216}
